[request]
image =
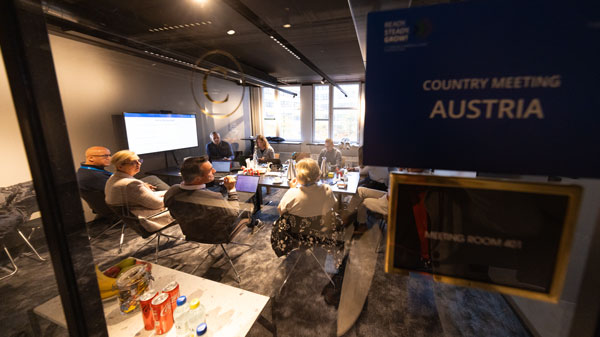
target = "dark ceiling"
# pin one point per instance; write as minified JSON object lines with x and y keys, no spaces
{"x":322,"y":31}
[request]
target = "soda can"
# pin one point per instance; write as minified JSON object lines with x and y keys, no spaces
{"x":163,"y":314}
{"x":146,"y":304}
{"x":172,"y":289}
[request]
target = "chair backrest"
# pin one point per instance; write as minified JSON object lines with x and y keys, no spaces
{"x":204,"y":220}
{"x":293,"y":231}
{"x":95,"y":199}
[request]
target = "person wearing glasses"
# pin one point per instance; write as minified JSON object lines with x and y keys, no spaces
{"x":92,"y":174}
{"x":122,"y":189}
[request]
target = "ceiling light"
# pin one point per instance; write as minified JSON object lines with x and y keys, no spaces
{"x":199,"y":1}
{"x":230,"y":32}
{"x":286,"y":19}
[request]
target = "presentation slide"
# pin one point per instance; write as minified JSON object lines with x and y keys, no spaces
{"x":148,"y":133}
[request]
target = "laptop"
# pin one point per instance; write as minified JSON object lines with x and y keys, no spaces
{"x":223,"y":168}
{"x":246,"y":187}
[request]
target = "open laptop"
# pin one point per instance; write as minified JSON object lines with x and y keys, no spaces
{"x":223,"y":168}
{"x":246,"y":186}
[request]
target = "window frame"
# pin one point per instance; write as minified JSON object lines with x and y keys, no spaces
{"x":331,"y":114}
{"x":278,"y":115}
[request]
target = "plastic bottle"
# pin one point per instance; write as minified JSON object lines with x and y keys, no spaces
{"x":196,"y":315}
{"x":255,"y":157}
{"x":181,"y":317}
{"x":201,"y":329}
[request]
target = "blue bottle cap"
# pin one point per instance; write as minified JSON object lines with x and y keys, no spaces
{"x":201,"y":329}
{"x":181,"y":300}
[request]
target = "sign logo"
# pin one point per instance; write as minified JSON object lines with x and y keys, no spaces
{"x":222,"y":71}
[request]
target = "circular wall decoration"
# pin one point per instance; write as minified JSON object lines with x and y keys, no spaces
{"x":223,"y":71}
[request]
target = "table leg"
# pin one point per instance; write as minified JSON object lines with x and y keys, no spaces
{"x":258,"y":199}
{"x":34,"y":323}
{"x":268,"y":325}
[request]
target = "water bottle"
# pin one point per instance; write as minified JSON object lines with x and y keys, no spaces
{"x":181,"y":317}
{"x":196,"y":315}
{"x":255,"y":157}
{"x":201,"y":329}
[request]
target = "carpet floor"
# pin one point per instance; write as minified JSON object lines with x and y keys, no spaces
{"x":396,"y":305}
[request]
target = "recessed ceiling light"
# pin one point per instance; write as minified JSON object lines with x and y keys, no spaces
{"x":287,"y":25}
{"x":230,"y":32}
{"x":199,"y":1}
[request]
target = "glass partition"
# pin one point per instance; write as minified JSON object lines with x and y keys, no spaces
{"x":285,"y":249}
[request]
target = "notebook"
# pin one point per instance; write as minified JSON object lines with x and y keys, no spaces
{"x":247,"y":183}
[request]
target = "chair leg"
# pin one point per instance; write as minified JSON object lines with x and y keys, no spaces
{"x":30,"y":245}
{"x":242,"y":244}
{"x":106,"y":230}
{"x":122,"y":237}
{"x":15,"y":268}
{"x":322,"y":267}
{"x":144,"y":245}
{"x":157,"y":247}
{"x":239,"y":280}
{"x":290,"y":272}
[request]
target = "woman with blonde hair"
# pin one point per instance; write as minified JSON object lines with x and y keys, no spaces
{"x":264,"y":152}
{"x":122,"y":189}
{"x":309,"y":198}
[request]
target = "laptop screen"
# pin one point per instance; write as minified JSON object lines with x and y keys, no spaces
{"x":221,"y":166}
{"x":247,"y":183}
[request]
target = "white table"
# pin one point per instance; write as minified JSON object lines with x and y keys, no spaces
{"x":230,"y":311}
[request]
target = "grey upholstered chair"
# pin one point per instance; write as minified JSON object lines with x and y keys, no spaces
{"x":210,"y":221}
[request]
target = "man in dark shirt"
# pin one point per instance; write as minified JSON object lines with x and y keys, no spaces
{"x":218,"y":149}
{"x":92,"y":175}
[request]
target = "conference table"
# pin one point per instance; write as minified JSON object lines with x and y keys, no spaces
{"x":230,"y":311}
{"x":269,"y":179}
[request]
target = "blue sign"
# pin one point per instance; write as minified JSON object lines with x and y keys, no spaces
{"x":490,"y":86}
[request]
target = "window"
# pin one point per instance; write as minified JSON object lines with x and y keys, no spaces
{"x":281,"y":113}
{"x":335,"y":115}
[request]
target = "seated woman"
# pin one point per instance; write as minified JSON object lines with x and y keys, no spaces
{"x":122,"y":189}
{"x":309,"y":199}
{"x":307,"y":215}
{"x":264,"y":152}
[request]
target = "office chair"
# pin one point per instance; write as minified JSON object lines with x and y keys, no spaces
{"x":210,"y":221}
{"x":134,"y":222}
{"x":292,"y":232}
{"x":95,"y":200}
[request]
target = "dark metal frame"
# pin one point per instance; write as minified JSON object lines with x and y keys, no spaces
{"x":36,"y":97}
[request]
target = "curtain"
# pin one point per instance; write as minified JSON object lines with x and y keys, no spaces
{"x":256,"y":115}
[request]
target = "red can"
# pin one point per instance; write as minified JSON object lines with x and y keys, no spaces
{"x":163,"y":314}
{"x":146,"y":304}
{"x":172,"y":289}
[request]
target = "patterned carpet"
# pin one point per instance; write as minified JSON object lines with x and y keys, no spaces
{"x":397,"y":305}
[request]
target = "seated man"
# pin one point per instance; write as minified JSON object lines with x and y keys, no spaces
{"x":92,"y":175}
{"x":183,"y":199}
{"x":217,"y":149}
{"x":331,"y":154}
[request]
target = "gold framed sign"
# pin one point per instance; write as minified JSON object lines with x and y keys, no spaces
{"x":506,"y":236}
